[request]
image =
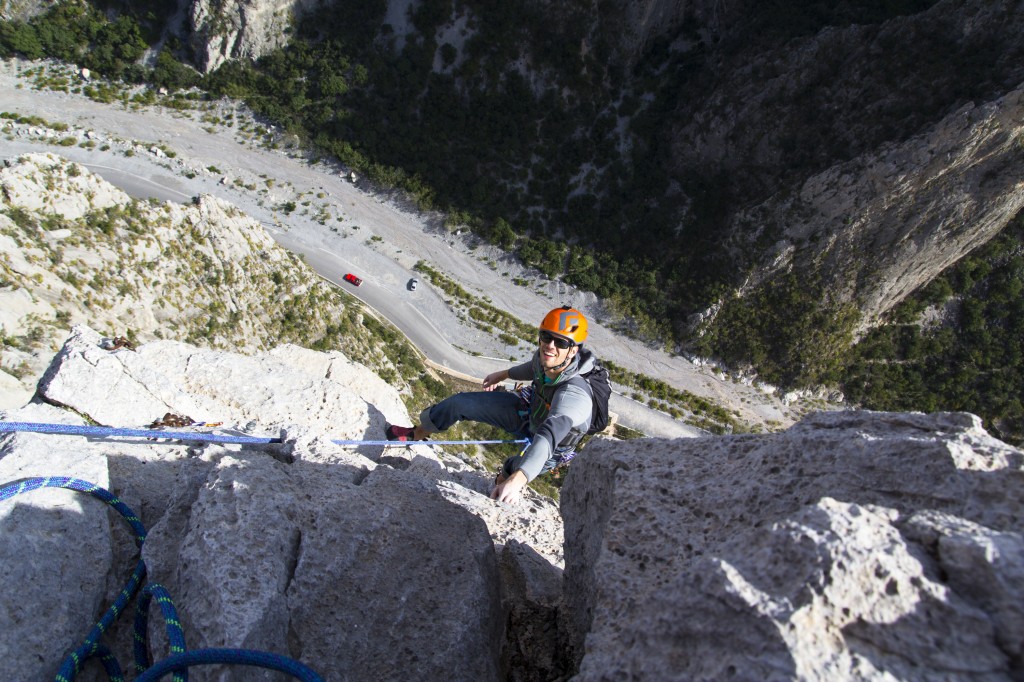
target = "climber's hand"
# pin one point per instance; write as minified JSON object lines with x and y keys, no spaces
{"x":511,"y":489}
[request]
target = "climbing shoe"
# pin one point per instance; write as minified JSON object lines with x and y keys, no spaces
{"x":399,"y":432}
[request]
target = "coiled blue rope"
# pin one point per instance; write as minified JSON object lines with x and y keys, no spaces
{"x":228,"y":657}
{"x":175,"y":635}
{"x":180,"y":659}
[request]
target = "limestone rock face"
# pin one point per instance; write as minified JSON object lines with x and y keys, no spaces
{"x":853,"y":546}
{"x":917,"y":207}
{"x":47,"y":183}
{"x":23,"y":10}
{"x":844,"y":548}
{"x":351,"y":559}
{"x":66,"y":532}
{"x":221,"y":31}
{"x":645,"y":21}
{"x":76,"y":249}
{"x":864,"y":156}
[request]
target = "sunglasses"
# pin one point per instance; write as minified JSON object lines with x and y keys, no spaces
{"x":560,"y":343}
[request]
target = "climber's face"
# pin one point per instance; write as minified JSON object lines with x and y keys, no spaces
{"x":555,"y":350}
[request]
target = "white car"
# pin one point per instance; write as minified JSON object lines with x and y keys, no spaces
{"x":413,"y":283}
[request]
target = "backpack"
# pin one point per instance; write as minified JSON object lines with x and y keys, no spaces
{"x":600,"y":390}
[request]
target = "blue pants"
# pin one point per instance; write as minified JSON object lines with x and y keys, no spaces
{"x":501,"y":409}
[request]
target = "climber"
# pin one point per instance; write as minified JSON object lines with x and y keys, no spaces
{"x":553,"y":411}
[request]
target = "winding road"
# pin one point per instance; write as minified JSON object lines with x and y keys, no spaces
{"x":369,"y":233}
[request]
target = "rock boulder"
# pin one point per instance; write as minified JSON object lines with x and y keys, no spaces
{"x":849,"y":547}
{"x":306,"y":548}
{"x":853,"y":546}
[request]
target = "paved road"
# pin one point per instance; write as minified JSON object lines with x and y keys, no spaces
{"x":385,"y":292}
{"x":374,"y":237}
{"x":389,"y":297}
{"x":396,"y":303}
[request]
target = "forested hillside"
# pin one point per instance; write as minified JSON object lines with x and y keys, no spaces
{"x":958,"y":345}
{"x":624,"y":167}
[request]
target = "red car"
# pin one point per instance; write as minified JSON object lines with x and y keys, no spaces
{"x":352,"y":279}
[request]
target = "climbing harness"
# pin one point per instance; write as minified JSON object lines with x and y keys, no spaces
{"x":180,"y":659}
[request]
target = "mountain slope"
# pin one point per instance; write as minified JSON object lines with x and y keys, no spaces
{"x":78,"y":250}
{"x":623,"y":147}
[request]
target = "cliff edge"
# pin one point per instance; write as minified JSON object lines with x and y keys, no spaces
{"x":852,"y":546}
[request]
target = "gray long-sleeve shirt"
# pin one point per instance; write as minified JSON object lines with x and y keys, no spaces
{"x":560,"y":410}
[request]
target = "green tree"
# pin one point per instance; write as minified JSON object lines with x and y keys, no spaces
{"x":20,"y":38}
{"x":973,"y":361}
{"x":503,"y":235}
{"x":66,"y":30}
{"x":169,"y":73}
{"x":543,"y":254}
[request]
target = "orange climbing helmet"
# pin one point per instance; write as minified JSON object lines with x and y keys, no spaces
{"x":567,"y":322}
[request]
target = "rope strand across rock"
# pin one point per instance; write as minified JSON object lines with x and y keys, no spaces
{"x":109,"y":432}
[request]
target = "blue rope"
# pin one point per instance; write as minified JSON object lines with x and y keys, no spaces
{"x":410,"y":443}
{"x":175,"y":635}
{"x":106,"y":431}
{"x":180,"y":659}
{"x":91,"y":647}
{"x":107,"y":660}
{"x":30,"y":484}
{"x":230,"y":657}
